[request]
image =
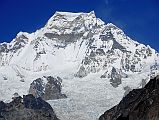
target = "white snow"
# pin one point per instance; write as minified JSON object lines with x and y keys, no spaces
{"x":90,"y":96}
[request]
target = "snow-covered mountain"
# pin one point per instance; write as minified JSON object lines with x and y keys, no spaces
{"x":93,"y":58}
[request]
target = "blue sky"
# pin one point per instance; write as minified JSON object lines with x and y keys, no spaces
{"x":139,"y":19}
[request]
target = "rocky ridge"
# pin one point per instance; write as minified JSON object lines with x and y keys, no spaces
{"x":139,"y":104}
{"x":26,"y":108}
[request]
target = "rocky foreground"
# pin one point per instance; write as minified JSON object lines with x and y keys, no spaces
{"x":26,"y":108}
{"x":139,"y":104}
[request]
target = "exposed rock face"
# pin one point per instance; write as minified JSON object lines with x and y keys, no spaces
{"x":26,"y":108}
{"x":47,"y":87}
{"x":115,"y":76}
{"x":139,"y":104}
{"x":127,"y":90}
{"x":81,"y":73}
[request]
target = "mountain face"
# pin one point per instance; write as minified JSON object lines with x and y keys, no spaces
{"x":139,"y":104}
{"x":93,"y":58}
{"x":76,"y":37}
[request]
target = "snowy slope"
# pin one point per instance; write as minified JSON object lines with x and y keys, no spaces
{"x":95,"y":60}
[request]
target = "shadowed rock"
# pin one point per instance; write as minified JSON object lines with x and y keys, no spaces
{"x":3,"y":48}
{"x":139,"y":104}
{"x":26,"y":108}
{"x":47,"y":87}
{"x":115,"y":79}
{"x":64,"y":38}
{"x":115,"y":76}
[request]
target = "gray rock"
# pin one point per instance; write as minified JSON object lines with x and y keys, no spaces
{"x":127,"y":90}
{"x":64,"y":38}
{"x":104,"y":75}
{"x":81,"y":73}
{"x":132,"y":68}
{"x":3,"y":47}
{"x":116,"y":45}
{"x":47,"y":87}
{"x":53,"y":89}
{"x":115,"y":78}
{"x":37,"y":88}
{"x":106,"y":36}
{"x":100,"y":52}
{"x":26,"y":108}
{"x":87,"y":61}
{"x":20,"y":42}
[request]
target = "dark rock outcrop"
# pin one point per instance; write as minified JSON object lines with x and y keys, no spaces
{"x":139,"y":104}
{"x":26,"y":108}
{"x":115,"y":76}
{"x":47,"y":87}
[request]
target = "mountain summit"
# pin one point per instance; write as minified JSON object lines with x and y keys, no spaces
{"x":93,"y":58}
